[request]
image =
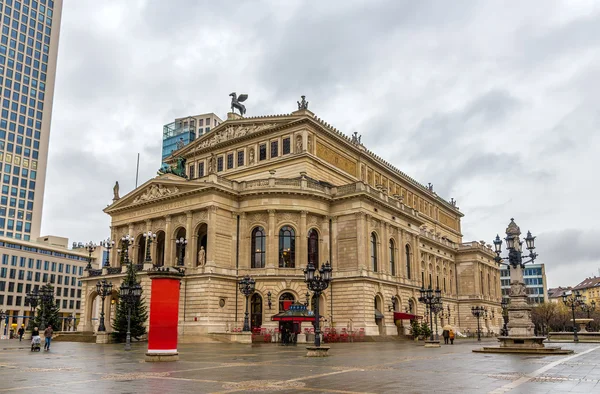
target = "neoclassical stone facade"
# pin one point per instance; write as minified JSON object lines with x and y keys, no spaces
{"x":265,"y":195}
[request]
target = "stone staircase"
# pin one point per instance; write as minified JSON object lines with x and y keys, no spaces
{"x":75,"y":336}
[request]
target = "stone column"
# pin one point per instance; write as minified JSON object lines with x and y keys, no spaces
{"x":190,"y":255}
{"x":324,"y":251}
{"x":272,"y":256}
{"x":211,"y":242}
{"x":169,"y":242}
{"x":245,"y":242}
{"x":402,"y":272}
{"x":302,"y":256}
{"x":385,"y":263}
{"x":334,"y":236}
{"x":361,"y":237}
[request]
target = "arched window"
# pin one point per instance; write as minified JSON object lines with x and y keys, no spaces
{"x":256,"y":311}
{"x":287,"y":247}
{"x":374,"y":252}
{"x":407,"y":251}
{"x":282,"y":300}
{"x":313,"y":247}
{"x":489,"y":285}
{"x":392,"y":258}
{"x":258,"y":248}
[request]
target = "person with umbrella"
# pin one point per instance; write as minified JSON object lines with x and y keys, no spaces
{"x":446,"y":333}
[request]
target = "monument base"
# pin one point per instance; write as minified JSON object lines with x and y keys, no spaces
{"x":161,"y":357}
{"x":523,"y":345}
{"x":433,"y":343}
{"x":320,"y":351}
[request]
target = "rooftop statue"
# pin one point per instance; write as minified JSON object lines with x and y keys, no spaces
{"x":236,"y":102}
{"x":178,"y":169}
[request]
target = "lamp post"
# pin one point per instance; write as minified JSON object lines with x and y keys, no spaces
{"x":317,"y":284}
{"x":108,"y":244}
{"x":589,"y":308}
{"x":103,"y":288}
{"x":149,"y":236}
{"x":478,"y":311}
{"x":437,"y":308}
{"x":504,"y":304}
{"x":307,"y":295}
{"x":90,"y":246}
{"x":131,"y":295}
{"x":246,"y":286}
{"x":126,"y":241}
{"x":573,"y":301}
{"x":429,"y":297}
{"x":180,"y":244}
{"x":3,"y":316}
{"x":32,"y":298}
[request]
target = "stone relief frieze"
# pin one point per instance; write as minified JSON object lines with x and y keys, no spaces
{"x":156,"y":191}
{"x":158,"y":224}
{"x":288,"y":217}
{"x":231,"y":132}
{"x":179,"y":220}
{"x":258,"y":217}
{"x":199,"y":216}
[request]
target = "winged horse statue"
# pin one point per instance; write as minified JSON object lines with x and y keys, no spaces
{"x":236,"y":102}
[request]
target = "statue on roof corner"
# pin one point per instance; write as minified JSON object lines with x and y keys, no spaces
{"x":356,"y":138}
{"x":236,"y":102}
{"x":302,"y":104}
{"x":178,"y":169}
{"x":116,"y":191}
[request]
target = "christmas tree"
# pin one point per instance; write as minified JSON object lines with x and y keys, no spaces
{"x":47,"y":311}
{"x":139,"y":313}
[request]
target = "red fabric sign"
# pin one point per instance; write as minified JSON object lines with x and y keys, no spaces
{"x":164,"y":315}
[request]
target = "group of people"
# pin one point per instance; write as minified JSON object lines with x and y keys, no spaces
{"x":35,"y":335}
{"x":448,"y":335}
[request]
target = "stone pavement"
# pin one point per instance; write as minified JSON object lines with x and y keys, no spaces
{"x":379,"y":367}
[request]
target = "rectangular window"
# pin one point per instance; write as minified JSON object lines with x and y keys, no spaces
{"x":286,"y":146}
{"x":274,"y":149}
{"x":240,"y":158}
{"x":201,"y":169}
{"x":219,"y":163}
{"x":191,"y":172}
{"x":262,"y":152}
{"x":229,"y":161}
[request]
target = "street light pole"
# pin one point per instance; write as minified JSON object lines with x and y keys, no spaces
{"x":572,"y":301}
{"x":32,"y":298}
{"x":478,"y":311}
{"x":246,"y":286}
{"x":108,"y":244}
{"x":504,"y":305}
{"x":317,"y":284}
{"x":130,"y":295}
{"x":429,"y":297}
{"x":150,"y":236}
{"x":180,"y":243}
{"x":91,"y":247}
{"x":589,"y":308}
{"x":437,"y":308}
{"x":103,"y":288}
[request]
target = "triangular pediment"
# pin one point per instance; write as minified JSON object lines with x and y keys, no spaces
{"x":160,"y":188}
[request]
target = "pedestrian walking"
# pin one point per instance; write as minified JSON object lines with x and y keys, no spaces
{"x":446,"y":335}
{"x":451,"y":336}
{"x":21,"y":332}
{"x":48,"y":336}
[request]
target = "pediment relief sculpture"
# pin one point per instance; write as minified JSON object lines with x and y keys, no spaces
{"x":156,"y":191}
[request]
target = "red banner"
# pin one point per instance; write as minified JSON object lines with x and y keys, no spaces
{"x":164,"y":315}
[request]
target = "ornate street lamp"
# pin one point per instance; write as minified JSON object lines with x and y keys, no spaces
{"x":504,"y":304}
{"x":430,"y":298}
{"x":104,"y":289}
{"x":478,"y":311}
{"x":4,"y":316}
{"x":589,"y":308}
{"x":108,"y":244}
{"x":149,"y":236}
{"x":130,"y":295}
{"x":573,"y":301}
{"x":246,"y":286}
{"x":180,"y":244}
{"x":126,"y":241}
{"x":307,"y":295}
{"x":90,"y":246}
{"x":32,"y":298}
{"x":317,"y":284}
{"x":437,"y":308}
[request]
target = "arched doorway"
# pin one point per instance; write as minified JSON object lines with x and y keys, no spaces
{"x":160,"y":249}
{"x":180,"y":246}
{"x":256,"y":311}
{"x":141,"y":249}
{"x":378,"y":315}
{"x":91,"y":312}
{"x":285,"y":299}
{"x":202,"y":237}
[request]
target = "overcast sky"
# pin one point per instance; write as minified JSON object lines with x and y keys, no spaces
{"x":495,"y":103}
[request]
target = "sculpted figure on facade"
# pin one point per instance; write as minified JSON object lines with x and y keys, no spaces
{"x":517,"y":289}
{"x":299,"y":144}
{"x":211,"y":164}
{"x":309,"y":144}
{"x":116,"y":191}
{"x":201,"y":257}
{"x":251,"y":156}
{"x":156,"y":191}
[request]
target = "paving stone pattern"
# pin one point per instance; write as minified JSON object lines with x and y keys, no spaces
{"x":378,"y":367}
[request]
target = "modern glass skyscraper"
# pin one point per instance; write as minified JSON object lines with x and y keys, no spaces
{"x":28,"y":52}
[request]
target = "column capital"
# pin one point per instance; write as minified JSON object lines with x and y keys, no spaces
{"x":271,"y":212}
{"x":213,"y":208}
{"x":168,"y":218}
{"x":188,"y":214}
{"x":148,"y":222}
{"x":303,"y":213}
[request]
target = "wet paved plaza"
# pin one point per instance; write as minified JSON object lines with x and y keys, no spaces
{"x":382,"y":367}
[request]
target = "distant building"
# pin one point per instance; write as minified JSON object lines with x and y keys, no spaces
{"x":589,"y":289}
{"x":182,"y":131}
{"x":28,"y":265}
{"x":555,"y":294}
{"x":534,"y":276}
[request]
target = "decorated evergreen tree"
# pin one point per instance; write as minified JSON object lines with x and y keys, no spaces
{"x":139,"y":313}
{"x":48,"y":312}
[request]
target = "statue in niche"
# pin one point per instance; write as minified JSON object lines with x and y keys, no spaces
{"x":211,"y":163}
{"x":299,"y":144}
{"x":201,"y":256}
{"x":116,"y":191}
{"x":251,"y":156}
{"x":362,"y":173}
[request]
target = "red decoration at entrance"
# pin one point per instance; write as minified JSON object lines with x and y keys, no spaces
{"x":164,"y":315}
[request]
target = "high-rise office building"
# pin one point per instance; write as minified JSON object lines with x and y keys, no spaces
{"x":534,"y":276}
{"x":182,"y":131}
{"x":28,"y":54}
